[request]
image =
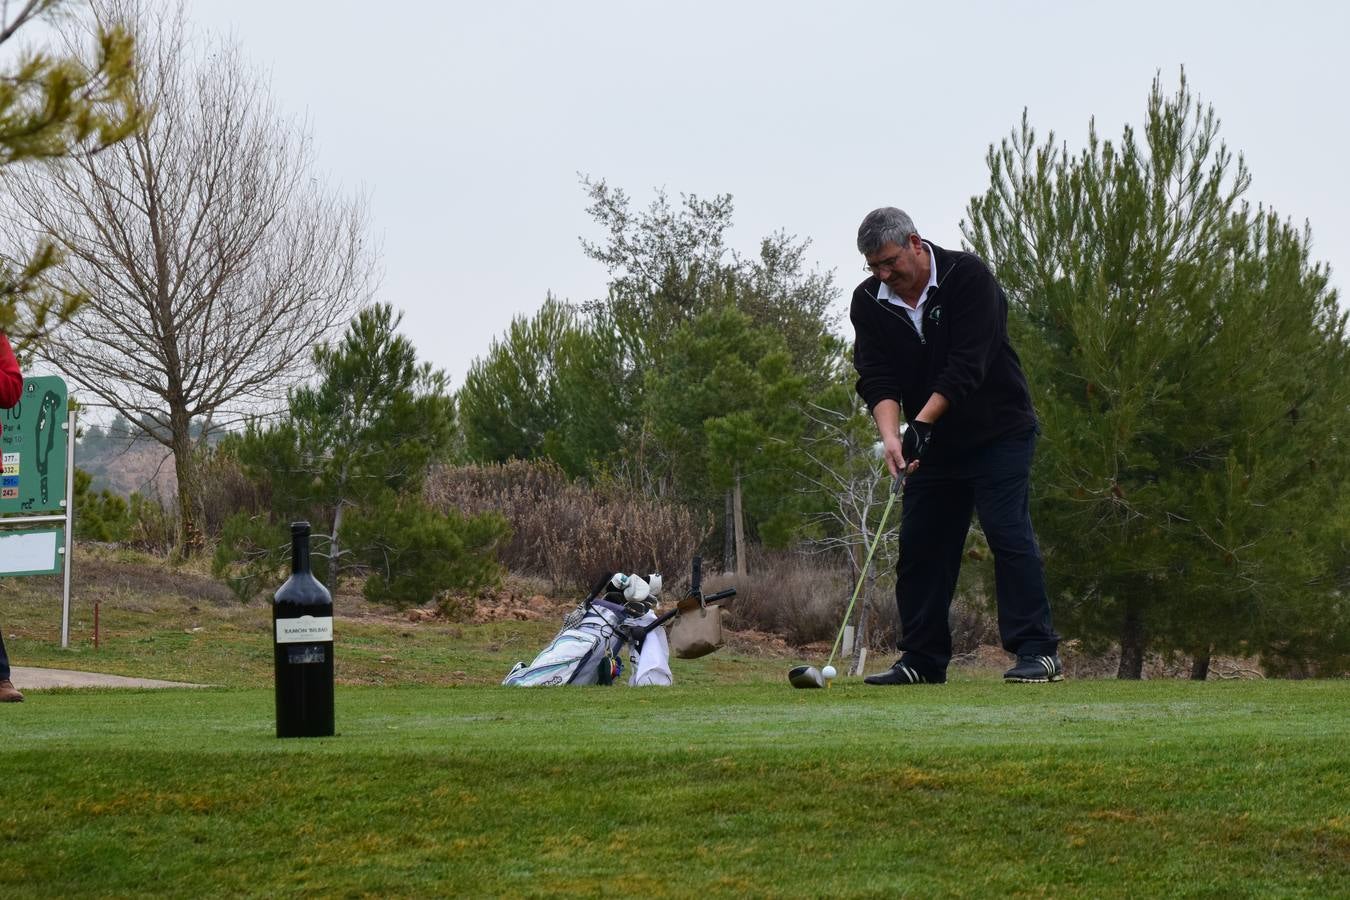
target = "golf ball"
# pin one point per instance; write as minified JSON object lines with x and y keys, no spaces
{"x":828,"y":672}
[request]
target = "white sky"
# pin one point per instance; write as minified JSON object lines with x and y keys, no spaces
{"x":467,"y":123}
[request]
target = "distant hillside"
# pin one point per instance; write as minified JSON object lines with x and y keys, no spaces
{"x":126,"y":466}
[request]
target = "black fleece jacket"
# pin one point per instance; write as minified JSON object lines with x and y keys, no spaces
{"x":963,"y":354}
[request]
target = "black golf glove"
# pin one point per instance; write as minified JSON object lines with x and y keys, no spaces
{"x":916,"y":440}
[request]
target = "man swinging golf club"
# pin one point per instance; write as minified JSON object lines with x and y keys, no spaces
{"x":931,"y":338}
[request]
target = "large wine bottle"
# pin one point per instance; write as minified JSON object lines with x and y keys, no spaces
{"x":302,"y":644}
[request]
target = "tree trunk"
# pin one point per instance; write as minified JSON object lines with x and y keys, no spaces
{"x":335,"y":548}
{"x":1200,"y":665}
{"x":1131,"y":644}
{"x":190,"y":539}
{"x":741,"y":567}
{"x":728,"y":537}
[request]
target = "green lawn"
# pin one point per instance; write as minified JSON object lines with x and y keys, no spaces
{"x":160,"y":622}
{"x":1085,"y":789}
{"x":728,"y":784}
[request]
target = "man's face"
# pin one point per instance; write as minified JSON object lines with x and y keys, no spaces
{"x":904,"y":269}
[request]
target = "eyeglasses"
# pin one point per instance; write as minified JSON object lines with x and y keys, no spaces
{"x":889,"y":263}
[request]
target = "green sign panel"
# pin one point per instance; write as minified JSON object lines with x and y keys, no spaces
{"x":34,"y":447}
{"x":38,"y":551}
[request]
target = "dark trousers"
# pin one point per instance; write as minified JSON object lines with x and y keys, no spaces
{"x":992,"y":481}
{"x":4,"y":660}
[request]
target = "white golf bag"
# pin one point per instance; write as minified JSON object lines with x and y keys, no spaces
{"x":587,"y":649}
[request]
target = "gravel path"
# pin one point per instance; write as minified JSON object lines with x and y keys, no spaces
{"x":27,"y":678}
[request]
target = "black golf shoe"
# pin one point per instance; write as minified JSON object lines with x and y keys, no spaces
{"x":1035,"y":670}
{"x":901,"y":673}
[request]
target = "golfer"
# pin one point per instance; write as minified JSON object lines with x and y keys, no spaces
{"x":931,"y":340}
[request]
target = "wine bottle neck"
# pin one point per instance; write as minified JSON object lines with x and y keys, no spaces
{"x":300,"y":553}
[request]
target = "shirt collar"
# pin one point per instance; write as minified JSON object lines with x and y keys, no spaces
{"x":884,"y":290}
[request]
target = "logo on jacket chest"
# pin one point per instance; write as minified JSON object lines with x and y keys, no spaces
{"x":935,"y":314}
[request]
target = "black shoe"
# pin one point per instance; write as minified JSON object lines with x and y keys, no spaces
{"x":1035,"y":670}
{"x":901,"y":673}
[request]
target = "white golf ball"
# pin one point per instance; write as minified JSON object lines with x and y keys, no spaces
{"x":828,"y":672}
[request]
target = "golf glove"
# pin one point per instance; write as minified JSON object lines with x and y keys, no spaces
{"x":915,"y":441}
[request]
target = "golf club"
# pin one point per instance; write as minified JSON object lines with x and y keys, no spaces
{"x":810,"y":676}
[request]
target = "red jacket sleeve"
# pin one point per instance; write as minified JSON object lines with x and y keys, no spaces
{"x":11,"y":379}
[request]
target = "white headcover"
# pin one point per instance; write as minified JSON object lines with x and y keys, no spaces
{"x":652,"y":666}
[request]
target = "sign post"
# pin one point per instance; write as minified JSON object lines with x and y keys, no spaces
{"x":37,"y":487}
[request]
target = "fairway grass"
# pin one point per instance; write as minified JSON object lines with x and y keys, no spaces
{"x":974,"y":788}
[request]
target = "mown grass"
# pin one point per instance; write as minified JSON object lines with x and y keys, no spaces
{"x":157,"y":621}
{"x":1086,"y":789}
{"x":728,"y":784}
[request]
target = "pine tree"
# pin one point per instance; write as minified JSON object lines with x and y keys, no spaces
{"x":351,"y":456}
{"x":549,"y":388}
{"x":99,"y":515}
{"x":54,"y":106}
{"x":505,"y":404}
{"x":1189,"y":363}
{"x":726,"y":412}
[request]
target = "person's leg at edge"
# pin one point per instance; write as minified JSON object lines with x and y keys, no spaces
{"x":1002,"y":501}
{"x":8,"y":694}
{"x":935,"y":518}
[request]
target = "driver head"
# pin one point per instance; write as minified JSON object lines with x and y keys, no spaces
{"x":806,"y":677}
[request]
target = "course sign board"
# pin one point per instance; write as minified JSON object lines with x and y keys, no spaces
{"x":34,"y":447}
{"x":38,"y":551}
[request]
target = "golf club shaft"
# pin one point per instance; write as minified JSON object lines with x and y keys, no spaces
{"x":862,"y":576}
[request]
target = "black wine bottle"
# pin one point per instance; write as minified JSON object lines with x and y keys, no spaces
{"x":302,"y":645}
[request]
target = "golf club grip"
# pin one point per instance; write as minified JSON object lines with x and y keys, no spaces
{"x":695,"y":601}
{"x":661,"y":620}
{"x":672,"y":613}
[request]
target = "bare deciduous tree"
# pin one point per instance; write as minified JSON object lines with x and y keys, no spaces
{"x":212,"y":254}
{"x":845,"y":467}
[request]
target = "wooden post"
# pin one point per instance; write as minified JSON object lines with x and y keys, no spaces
{"x":741,"y":568}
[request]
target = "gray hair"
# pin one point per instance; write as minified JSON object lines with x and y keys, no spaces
{"x":880,"y":227}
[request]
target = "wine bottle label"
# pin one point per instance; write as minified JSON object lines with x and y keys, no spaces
{"x":305,"y":629}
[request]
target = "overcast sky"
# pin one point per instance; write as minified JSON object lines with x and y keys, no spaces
{"x":467,"y":123}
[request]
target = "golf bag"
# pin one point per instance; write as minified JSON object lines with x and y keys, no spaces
{"x":584,"y":652}
{"x":588,"y":648}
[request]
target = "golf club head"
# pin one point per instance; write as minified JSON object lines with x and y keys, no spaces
{"x":806,"y":677}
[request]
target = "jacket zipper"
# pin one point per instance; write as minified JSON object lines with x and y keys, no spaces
{"x":908,"y":321}
{"x":905,"y":318}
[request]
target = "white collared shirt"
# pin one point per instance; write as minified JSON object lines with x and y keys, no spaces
{"x":915,"y":312}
